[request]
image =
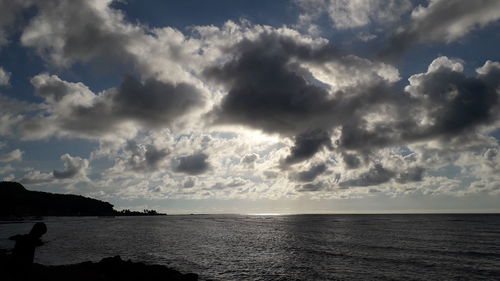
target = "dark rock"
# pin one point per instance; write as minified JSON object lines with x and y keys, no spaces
{"x":190,"y":277}
{"x":108,"y":269}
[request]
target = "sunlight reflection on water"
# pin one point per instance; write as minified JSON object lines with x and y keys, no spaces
{"x":267,"y":214}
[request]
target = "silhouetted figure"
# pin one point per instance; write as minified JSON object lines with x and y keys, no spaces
{"x":24,"y":250}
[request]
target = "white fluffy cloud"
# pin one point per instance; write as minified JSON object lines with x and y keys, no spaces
{"x":14,"y":155}
{"x":74,"y":171}
{"x":65,"y":32}
{"x":73,"y":167}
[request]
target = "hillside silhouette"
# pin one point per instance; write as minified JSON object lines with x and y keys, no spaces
{"x":17,"y":201}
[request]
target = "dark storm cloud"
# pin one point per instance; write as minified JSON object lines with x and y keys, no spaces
{"x":310,"y":187}
{"x":375,"y":176}
{"x":411,"y":175}
{"x":468,"y":102}
{"x":268,"y":93}
{"x":358,"y":137}
{"x":153,"y":155}
{"x":307,"y":144}
{"x":444,"y":21}
{"x":311,"y":174}
{"x":154,"y":103}
{"x":267,"y":90}
{"x":456,"y":104}
{"x":351,"y":160}
{"x":379,"y":175}
{"x":195,"y":164}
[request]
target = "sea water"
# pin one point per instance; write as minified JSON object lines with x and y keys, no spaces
{"x":289,"y":247}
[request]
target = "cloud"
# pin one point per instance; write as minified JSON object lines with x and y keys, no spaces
{"x":264,"y":91}
{"x":365,"y":37}
{"x":134,"y":105}
{"x":278,"y":84}
{"x":308,"y":144}
{"x":414,"y":174}
{"x":12,"y":114}
{"x":14,"y":155}
{"x":267,"y":89}
{"x":83,"y":29}
{"x":58,"y":92}
{"x":189,"y":182}
{"x":270,"y":174}
{"x":154,"y":103}
{"x":195,"y":164}
{"x":6,"y":169}
{"x":310,"y":187}
{"x":346,"y":14}
{"x":311,"y":174}
{"x":4,"y":77}
{"x":310,"y":101}
{"x":249,"y":160}
{"x":145,"y":158}
{"x":281,"y":83}
{"x":452,"y":104}
{"x":9,"y":16}
{"x":92,"y":31}
{"x":445,"y":21}
{"x":36,"y":178}
{"x":351,"y":160}
{"x":75,"y":170}
{"x":375,"y":176}
{"x":73,"y":167}
{"x":491,"y":162}
{"x":442,"y":104}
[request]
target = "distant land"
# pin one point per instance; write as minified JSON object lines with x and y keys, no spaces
{"x":18,"y":202}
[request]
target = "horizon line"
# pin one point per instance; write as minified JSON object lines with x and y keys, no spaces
{"x":432,"y":212}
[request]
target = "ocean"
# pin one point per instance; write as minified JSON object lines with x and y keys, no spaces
{"x":288,"y":247}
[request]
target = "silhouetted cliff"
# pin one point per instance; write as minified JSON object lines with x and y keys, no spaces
{"x":15,"y":200}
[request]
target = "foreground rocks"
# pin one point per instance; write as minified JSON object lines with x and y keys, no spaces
{"x":113,"y":268}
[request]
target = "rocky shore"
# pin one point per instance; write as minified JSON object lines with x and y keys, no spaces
{"x":108,"y":269}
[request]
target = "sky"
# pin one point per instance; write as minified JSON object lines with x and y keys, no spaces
{"x":233,"y":106}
